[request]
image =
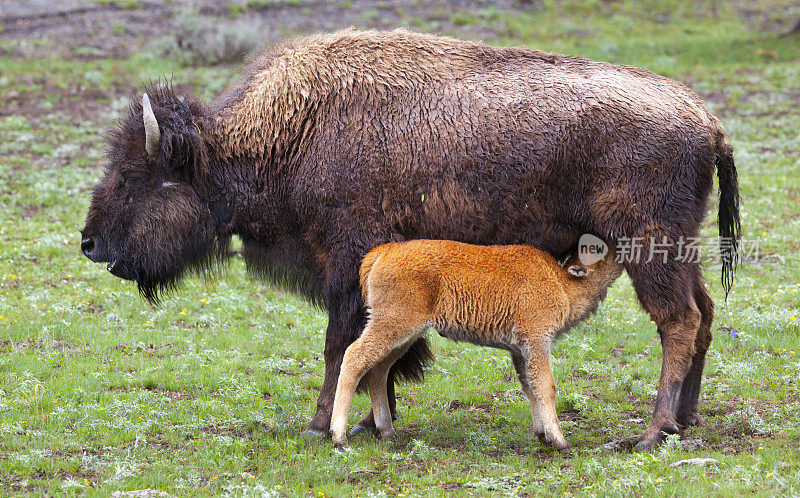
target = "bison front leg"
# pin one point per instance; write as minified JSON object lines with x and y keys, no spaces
{"x":318,"y":427}
{"x":345,"y":321}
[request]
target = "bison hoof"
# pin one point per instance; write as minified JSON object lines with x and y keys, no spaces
{"x":691,"y":419}
{"x":340,"y":441}
{"x":654,"y":436}
{"x":647,"y":443}
{"x":361,"y":429}
{"x":313,"y":435}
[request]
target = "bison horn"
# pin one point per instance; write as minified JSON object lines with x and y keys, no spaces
{"x":152,"y":134}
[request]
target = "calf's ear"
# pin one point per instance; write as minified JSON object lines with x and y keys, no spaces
{"x":577,"y":271}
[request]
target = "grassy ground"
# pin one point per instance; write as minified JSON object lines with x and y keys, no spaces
{"x":209,"y":393}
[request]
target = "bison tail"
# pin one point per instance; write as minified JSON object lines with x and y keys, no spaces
{"x":730,"y":227}
{"x":411,"y":366}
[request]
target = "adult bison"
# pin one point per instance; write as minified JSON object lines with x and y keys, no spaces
{"x":333,"y":144}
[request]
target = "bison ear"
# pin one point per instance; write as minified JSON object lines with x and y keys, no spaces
{"x":183,"y":148}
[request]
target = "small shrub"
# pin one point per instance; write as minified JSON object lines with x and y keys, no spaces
{"x":202,"y":40}
{"x":572,"y":402}
{"x":119,"y":27}
{"x":463,"y":19}
{"x":235,"y":10}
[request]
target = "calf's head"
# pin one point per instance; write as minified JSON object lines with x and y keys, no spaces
{"x":149,"y":217}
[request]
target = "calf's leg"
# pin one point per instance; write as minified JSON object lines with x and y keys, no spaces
{"x":367,"y":424}
{"x":375,"y":344}
{"x":377,"y":380}
{"x":542,"y":393}
{"x":520,"y":363}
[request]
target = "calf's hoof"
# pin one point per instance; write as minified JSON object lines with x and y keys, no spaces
{"x":339,"y":441}
{"x":558,"y":443}
{"x":562,"y":446}
{"x":313,"y":434}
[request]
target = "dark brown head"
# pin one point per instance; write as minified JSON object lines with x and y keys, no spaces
{"x":149,"y":218}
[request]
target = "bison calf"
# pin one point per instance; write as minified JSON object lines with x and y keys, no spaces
{"x":512,"y":297}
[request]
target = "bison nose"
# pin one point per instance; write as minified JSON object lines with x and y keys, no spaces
{"x":88,"y":247}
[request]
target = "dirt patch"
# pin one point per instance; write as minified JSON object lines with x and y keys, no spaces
{"x":239,"y":430}
{"x":460,"y":405}
{"x":452,"y":487}
{"x":23,"y":484}
{"x":71,"y":452}
{"x":80,"y":104}
{"x":570,"y":415}
{"x":79,"y":30}
{"x":55,"y":345}
{"x":147,"y":350}
{"x":88,"y":474}
{"x":94,"y":308}
{"x":166,"y":393}
{"x":43,"y":97}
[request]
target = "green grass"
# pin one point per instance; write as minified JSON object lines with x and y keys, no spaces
{"x":209,"y":393}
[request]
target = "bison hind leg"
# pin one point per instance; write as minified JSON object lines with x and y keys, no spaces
{"x":690,"y":392}
{"x":666,"y":289}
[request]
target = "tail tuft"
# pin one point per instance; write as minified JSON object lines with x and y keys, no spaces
{"x":730,"y":227}
{"x":411,"y":366}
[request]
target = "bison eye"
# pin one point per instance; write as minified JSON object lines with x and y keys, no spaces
{"x":131,"y":180}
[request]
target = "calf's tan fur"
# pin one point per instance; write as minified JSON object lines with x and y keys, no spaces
{"x":513,"y":297}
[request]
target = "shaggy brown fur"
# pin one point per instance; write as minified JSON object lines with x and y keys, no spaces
{"x":516,"y":298}
{"x":334,"y":144}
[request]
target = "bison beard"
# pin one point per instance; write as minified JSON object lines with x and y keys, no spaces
{"x":334,"y":144}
